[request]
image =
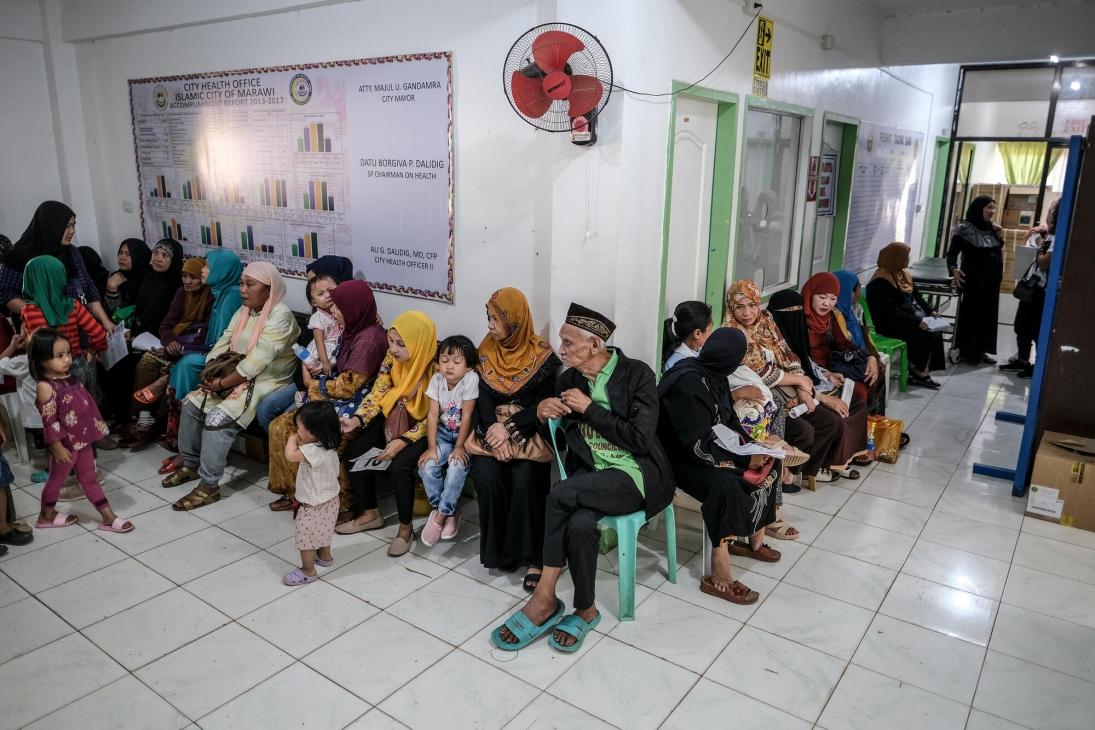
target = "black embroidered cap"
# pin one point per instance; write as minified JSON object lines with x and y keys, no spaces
{"x":586,"y":319}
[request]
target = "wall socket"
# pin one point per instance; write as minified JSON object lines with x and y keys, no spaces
{"x":128,"y":206}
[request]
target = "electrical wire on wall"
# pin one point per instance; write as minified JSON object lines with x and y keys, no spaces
{"x":704,"y":77}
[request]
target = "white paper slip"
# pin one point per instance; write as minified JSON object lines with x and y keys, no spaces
{"x":936,"y":324}
{"x":1045,"y":501}
{"x":116,"y":347}
{"x":846,"y":393}
{"x":366,"y":462}
{"x":146,"y":341}
{"x":731,"y":441}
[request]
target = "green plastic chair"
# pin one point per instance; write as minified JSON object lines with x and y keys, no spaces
{"x":626,"y":528}
{"x":887,"y":345}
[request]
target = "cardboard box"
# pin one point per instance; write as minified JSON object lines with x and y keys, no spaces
{"x":1062,"y":487}
{"x":1017,"y":218}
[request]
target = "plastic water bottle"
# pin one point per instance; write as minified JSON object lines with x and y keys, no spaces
{"x":871,"y":450}
{"x":302,"y":352}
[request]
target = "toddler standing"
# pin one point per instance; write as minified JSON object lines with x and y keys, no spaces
{"x":71,"y":424}
{"x":452,"y":392}
{"x":325,"y":324}
{"x":314,"y":447}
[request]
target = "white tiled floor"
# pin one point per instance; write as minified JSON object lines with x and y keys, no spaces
{"x":918,"y":597}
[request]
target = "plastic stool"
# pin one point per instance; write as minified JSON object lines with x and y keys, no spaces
{"x":626,"y":528}
{"x":888,"y":345}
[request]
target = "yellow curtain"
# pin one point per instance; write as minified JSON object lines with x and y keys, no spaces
{"x":1023,"y":161}
{"x":964,"y":160}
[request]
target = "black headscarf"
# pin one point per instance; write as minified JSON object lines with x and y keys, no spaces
{"x":340,"y":268}
{"x":140,"y":258}
{"x":94,"y":265}
{"x":786,"y":309}
{"x":43,"y":237}
{"x":975,"y":214}
{"x":719,"y":356}
{"x":158,"y":289}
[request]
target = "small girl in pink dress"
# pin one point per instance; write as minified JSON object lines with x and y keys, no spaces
{"x":71,"y":424}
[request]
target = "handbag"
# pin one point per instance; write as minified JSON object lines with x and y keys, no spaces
{"x":533,"y":448}
{"x":398,"y":422}
{"x":756,"y":477}
{"x":221,"y":366}
{"x":1028,"y":289}
{"x":852,"y":364}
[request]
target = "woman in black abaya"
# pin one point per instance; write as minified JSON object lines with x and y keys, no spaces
{"x":979,"y":243}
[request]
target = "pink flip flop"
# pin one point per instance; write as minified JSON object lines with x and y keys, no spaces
{"x":61,"y":519}
{"x":118,"y":525}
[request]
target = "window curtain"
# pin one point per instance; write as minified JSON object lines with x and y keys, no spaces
{"x":1023,"y":161}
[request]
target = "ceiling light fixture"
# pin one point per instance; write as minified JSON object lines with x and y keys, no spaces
{"x":1054,"y":59}
{"x":1075,"y":86}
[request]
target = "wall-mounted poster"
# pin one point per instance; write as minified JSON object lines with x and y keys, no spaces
{"x":826,"y":184}
{"x":291,"y":163}
{"x":884,"y":185}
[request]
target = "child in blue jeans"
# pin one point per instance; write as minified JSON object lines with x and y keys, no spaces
{"x":452,"y":393}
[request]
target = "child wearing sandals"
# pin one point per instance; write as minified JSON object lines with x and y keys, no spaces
{"x":444,"y":465}
{"x":71,"y":425}
{"x":315,"y":448}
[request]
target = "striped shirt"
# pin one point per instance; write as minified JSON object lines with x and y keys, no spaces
{"x":79,"y":320}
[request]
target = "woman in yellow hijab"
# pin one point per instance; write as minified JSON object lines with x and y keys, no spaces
{"x":392,"y":417}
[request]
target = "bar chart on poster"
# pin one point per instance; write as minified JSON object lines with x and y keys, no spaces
{"x":884,"y":190}
{"x":288,"y":164}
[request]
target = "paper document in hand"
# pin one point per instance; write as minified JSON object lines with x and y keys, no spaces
{"x":366,"y":462}
{"x":146,"y":341}
{"x":731,"y":441}
{"x":846,"y":394}
{"x":936,"y":324}
{"x":116,"y":348}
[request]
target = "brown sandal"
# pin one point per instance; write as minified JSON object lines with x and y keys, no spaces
{"x":763,"y":553}
{"x":181,"y":475}
{"x":281,"y":504}
{"x":736,"y":592}
{"x":196,"y":499}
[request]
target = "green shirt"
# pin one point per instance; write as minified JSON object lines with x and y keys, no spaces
{"x":607,"y":455}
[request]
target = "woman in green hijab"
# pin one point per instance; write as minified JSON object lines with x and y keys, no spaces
{"x":49,"y":306}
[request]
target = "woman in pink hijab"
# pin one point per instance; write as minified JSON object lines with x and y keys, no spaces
{"x":262,"y":333}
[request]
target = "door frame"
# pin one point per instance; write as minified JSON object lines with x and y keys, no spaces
{"x":722,"y":195}
{"x":806,"y":144}
{"x":849,"y":140}
{"x":935,"y":199}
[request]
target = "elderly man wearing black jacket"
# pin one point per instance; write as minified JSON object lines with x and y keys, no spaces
{"x":608,"y":408}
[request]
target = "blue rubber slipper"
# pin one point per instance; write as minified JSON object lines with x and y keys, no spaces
{"x":577,"y":628}
{"x":526,"y":632}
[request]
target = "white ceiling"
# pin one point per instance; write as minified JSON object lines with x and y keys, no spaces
{"x":891,"y":8}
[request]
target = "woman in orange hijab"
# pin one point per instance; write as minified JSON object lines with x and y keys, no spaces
{"x":897,"y":310}
{"x":516,"y":368}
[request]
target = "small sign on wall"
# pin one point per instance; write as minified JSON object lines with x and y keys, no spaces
{"x":826,"y":184}
{"x":811,"y":180}
{"x":762,"y":58}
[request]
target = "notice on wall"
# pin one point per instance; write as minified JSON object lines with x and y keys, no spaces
{"x":291,"y":163}
{"x":884,"y":188}
{"x":826,"y":184}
